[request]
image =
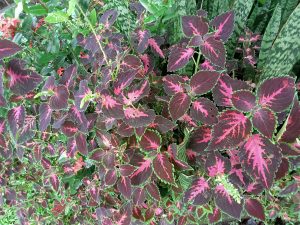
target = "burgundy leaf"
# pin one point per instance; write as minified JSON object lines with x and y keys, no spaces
{"x":224,"y":25}
{"x":69,"y":128}
{"x":28,"y":130}
{"x":214,"y":51}
{"x":54,"y":181}
{"x":81,"y":143}
{"x":153,"y":191}
{"x":8,"y":48}
{"x":124,"y":186}
{"x":21,"y":81}
{"x":277,"y":93}
{"x":205,"y":111}
{"x":179,"y":57}
{"x":110,"y":177}
{"x":255,"y":208}
{"x":163,"y":124}
{"x":81,"y":95}
{"x":260,"y":159}
{"x":232,"y":130}
{"x":143,"y":172}
{"x":137,"y":92}
{"x":138,"y":196}
{"x":243,"y":100}
{"x":136,"y":117}
{"x":60,"y":98}
{"x":130,"y":64}
{"x":126,"y":170}
{"x":108,"y":18}
{"x":124,"y":80}
{"x":215,"y":216}
{"x":150,"y":141}
{"x":199,"y":192}
{"x":291,"y":188}
{"x":292,"y":130}
{"x":179,"y":105}
{"x":142,"y":38}
{"x":79,"y":118}
{"x":288,"y":150}
{"x":194,"y":25}
{"x":203,"y":81}
{"x":173,"y":84}
{"x":16,"y":118}
{"x":264,"y":121}
{"x":227,"y":203}
{"x":217,"y":165}
{"x":155,"y":47}
{"x":200,"y":139}
{"x":45,"y":116}
{"x":196,"y":41}
{"x":283,"y":169}
{"x":68,"y":76}
{"x":125,"y":130}
{"x":163,"y":168}
{"x":111,"y":107}
{"x":224,"y":89}
{"x":71,"y":147}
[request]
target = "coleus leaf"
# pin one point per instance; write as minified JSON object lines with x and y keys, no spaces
{"x":124,"y":187}
{"x":205,"y":111}
{"x":21,"y":80}
{"x":261,"y":159}
{"x":153,"y":191}
{"x":69,"y":128}
{"x":68,"y":76}
{"x":173,"y":84}
{"x":214,"y":51}
{"x":199,"y":193}
{"x":179,"y":105}
{"x":125,"y":130}
{"x":216,"y":164}
{"x":138,"y":196}
{"x":276,"y":93}
{"x":130,"y":63}
{"x":179,"y":57}
{"x":79,"y":118}
{"x":215,"y":216}
{"x":81,"y":143}
{"x":8,"y":48}
{"x":288,"y":150}
{"x":243,"y":100}
{"x":60,"y":98}
{"x":126,"y":170}
{"x":28,"y":130}
{"x":155,"y":47}
{"x":163,"y":168}
{"x":150,"y":140}
{"x":136,"y":117}
{"x":203,"y":81}
{"x":83,"y":96}
{"x":231,"y":130}
{"x":142,"y":38}
{"x":124,"y":79}
{"x":163,"y":124}
{"x":137,"y":92}
{"x":110,"y":177}
{"x":224,"y":25}
{"x":71,"y":147}
{"x":224,"y":89}
{"x":54,"y":181}
{"x":196,"y":41}
{"x":292,"y":130}
{"x":16,"y":118}
{"x":227,"y":203}
{"x":194,"y":25}
{"x":143,"y":171}
{"x":283,"y":169}
{"x":108,"y":18}
{"x":45,"y":116}
{"x":255,"y":208}
{"x":264,"y":121}
{"x":200,"y":139}
{"x":111,"y":107}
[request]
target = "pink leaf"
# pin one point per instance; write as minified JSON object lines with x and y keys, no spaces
{"x":198,"y":193}
{"x":150,"y":141}
{"x":179,"y":57}
{"x":143,"y":172}
{"x":173,"y":84}
{"x":224,"y":25}
{"x":163,"y":168}
{"x":205,"y":111}
{"x":154,"y":45}
{"x":135,"y":117}
{"x":232,"y":130}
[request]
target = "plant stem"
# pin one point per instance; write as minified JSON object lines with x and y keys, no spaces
{"x":94,"y":32}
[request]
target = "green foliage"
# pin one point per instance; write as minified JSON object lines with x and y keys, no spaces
{"x":285,"y":51}
{"x":241,"y":9}
{"x":269,"y":36}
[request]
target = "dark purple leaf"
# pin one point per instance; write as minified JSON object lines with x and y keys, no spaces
{"x":108,"y":18}
{"x":179,"y":57}
{"x":8,"y":48}
{"x":200,"y":139}
{"x":203,"y":81}
{"x":112,"y":107}
{"x":139,"y":196}
{"x":214,"y":51}
{"x":199,"y":192}
{"x":69,"y":128}
{"x":16,"y":118}
{"x":81,"y":143}
{"x":45,"y":116}
{"x":155,"y":47}
{"x":283,"y":169}
{"x":243,"y":100}
{"x":142,"y":40}
{"x":163,"y":168}
{"x":194,"y":25}
{"x":205,"y":111}
{"x":224,"y":25}
{"x":179,"y":105}
{"x":264,"y":121}
{"x":81,"y":101}
{"x":143,"y":171}
{"x":137,"y":92}
{"x":54,"y":181}
{"x":60,"y":98}
{"x":153,"y":191}
{"x":124,"y":187}
{"x":136,"y":117}
{"x":68,"y":76}
{"x":163,"y":124}
{"x":150,"y":140}
{"x":173,"y":84}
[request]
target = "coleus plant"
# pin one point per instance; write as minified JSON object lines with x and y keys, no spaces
{"x":160,"y":147}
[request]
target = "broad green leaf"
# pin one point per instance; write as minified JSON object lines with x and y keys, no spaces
{"x":288,"y":7}
{"x":269,"y":36}
{"x":241,"y":9}
{"x":72,"y":6}
{"x":57,"y":17}
{"x":37,"y":10}
{"x":93,"y":17}
{"x":285,"y":51}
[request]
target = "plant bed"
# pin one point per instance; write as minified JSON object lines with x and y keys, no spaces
{"x":111,"y":116}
